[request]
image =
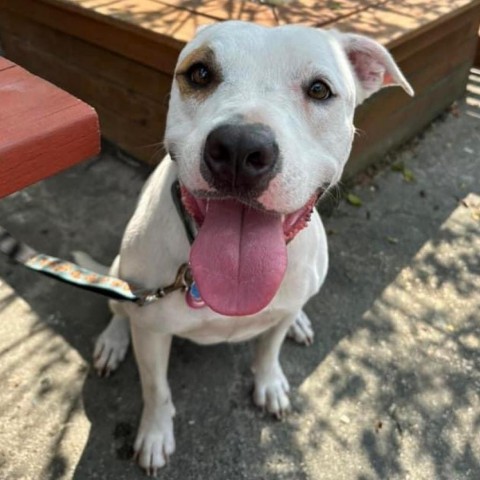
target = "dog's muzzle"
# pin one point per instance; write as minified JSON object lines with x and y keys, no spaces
{"x":240,"y":158}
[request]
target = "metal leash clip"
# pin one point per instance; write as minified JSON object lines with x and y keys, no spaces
{"x":183,"y":281}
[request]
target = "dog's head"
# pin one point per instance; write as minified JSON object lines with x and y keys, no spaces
{"x":260,"y":122}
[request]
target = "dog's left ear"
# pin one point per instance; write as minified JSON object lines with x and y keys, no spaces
{"x":373,"y":66}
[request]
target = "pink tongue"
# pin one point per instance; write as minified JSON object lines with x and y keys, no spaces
{"x":239,"y":258}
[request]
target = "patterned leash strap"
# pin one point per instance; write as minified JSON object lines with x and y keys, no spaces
{"x":86,"y":279}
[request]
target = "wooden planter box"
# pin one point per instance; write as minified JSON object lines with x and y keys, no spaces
{"x":476,"y":62}
{"x":119,"y":56}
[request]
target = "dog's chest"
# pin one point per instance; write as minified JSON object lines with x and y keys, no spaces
{"x":172,"y":316}
{"x":227,"y":329}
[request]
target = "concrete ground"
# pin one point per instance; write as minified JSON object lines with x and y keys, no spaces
{"x":389,"y":390}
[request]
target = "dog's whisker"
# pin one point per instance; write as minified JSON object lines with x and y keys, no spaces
{"x":359,"y":132}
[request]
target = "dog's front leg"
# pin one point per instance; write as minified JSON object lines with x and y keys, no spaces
{"x":271,"y":386}
{"x":155,"y":440}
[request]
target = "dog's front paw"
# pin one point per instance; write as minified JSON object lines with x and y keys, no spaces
{"x":301,"y":330}
{"x":155,"y":441}
{"x":271,"y":391}
{"x":111,"y":346}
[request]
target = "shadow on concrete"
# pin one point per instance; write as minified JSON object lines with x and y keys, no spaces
{"x":390,"y":388}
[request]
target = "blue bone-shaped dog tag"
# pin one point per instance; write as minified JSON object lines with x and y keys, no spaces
{"x":193,"y":297}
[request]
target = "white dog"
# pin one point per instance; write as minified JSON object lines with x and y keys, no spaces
{"x":260,"y":123}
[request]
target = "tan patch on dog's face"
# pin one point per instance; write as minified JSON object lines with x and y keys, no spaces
{"x":199,"y":74}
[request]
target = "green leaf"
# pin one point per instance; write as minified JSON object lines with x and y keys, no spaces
{"x":354,"y":200}
{"x":408,"y":175}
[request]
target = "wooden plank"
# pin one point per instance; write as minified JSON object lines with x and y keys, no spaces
{"x":389,"y":101}
{"x":215,"y":10}
{"x":395,"y":22}
{"x":117,"y":69}
{"x":318,"y":11}
{"x":431,"y":50}
{"x":142,"y":119}
{"x":144,"y":14}
{"x":10,"y":22}
{"x":476,"y":61}
{"x":435,"y":66}
{"x":117,"y":98}
{"x":132,"y":120}
{"x":140,"y":28}
{"x":135,"y":122}
{"x":432,"y":56}
{"x":145,"y":47}
{"x":138,"y":142}
{"x":165,"y":24}
{"x":386,"y":21}
{"x":155,"y":14}
{"x":393,"y":128}
{"x":5,"y":64}
{"x":409,"y":48}
{"x":43,"y":130}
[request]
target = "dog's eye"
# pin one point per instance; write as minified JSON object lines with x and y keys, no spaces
{"x":199,"y":75}
{"x":319,"y":90}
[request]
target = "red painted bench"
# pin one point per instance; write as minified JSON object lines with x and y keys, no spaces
{"x":43,"y":129}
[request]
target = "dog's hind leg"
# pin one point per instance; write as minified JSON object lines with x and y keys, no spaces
{"x":301,"y":330}
{"x":271,"y":386}
{"x":112,"y":345}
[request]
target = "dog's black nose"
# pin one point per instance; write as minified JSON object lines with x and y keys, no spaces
{"x":241,"y":158}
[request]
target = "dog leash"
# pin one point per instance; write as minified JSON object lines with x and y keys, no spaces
{"x":111,"y":287}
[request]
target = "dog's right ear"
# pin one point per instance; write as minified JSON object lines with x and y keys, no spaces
{"x":373,"y":66}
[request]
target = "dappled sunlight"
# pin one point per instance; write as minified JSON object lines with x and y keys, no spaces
{"x":390,"y":382}
{"x":473,"y":93}
{"x":42,"y":378}
{"x":388,"y":391}
{"x":386,"y":20}
{"x":408,"y":371}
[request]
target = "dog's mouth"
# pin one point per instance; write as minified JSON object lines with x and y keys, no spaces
{"x":239,"y":256}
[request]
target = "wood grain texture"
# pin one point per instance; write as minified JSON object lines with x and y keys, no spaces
{"x":152,"y":32}
{"x":130,"y":99}
{"x":399,"y":125}
{"x":43,"y":129}
{"x":5,"y":64}
{"x":84,"y":56}
{"x":385,"y":20}
{"x":476,"y":62}
{"x":423,"y":71}
{"x":412,"y":47}
{"x":140,"y":45}
{"x":393,"y":23}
